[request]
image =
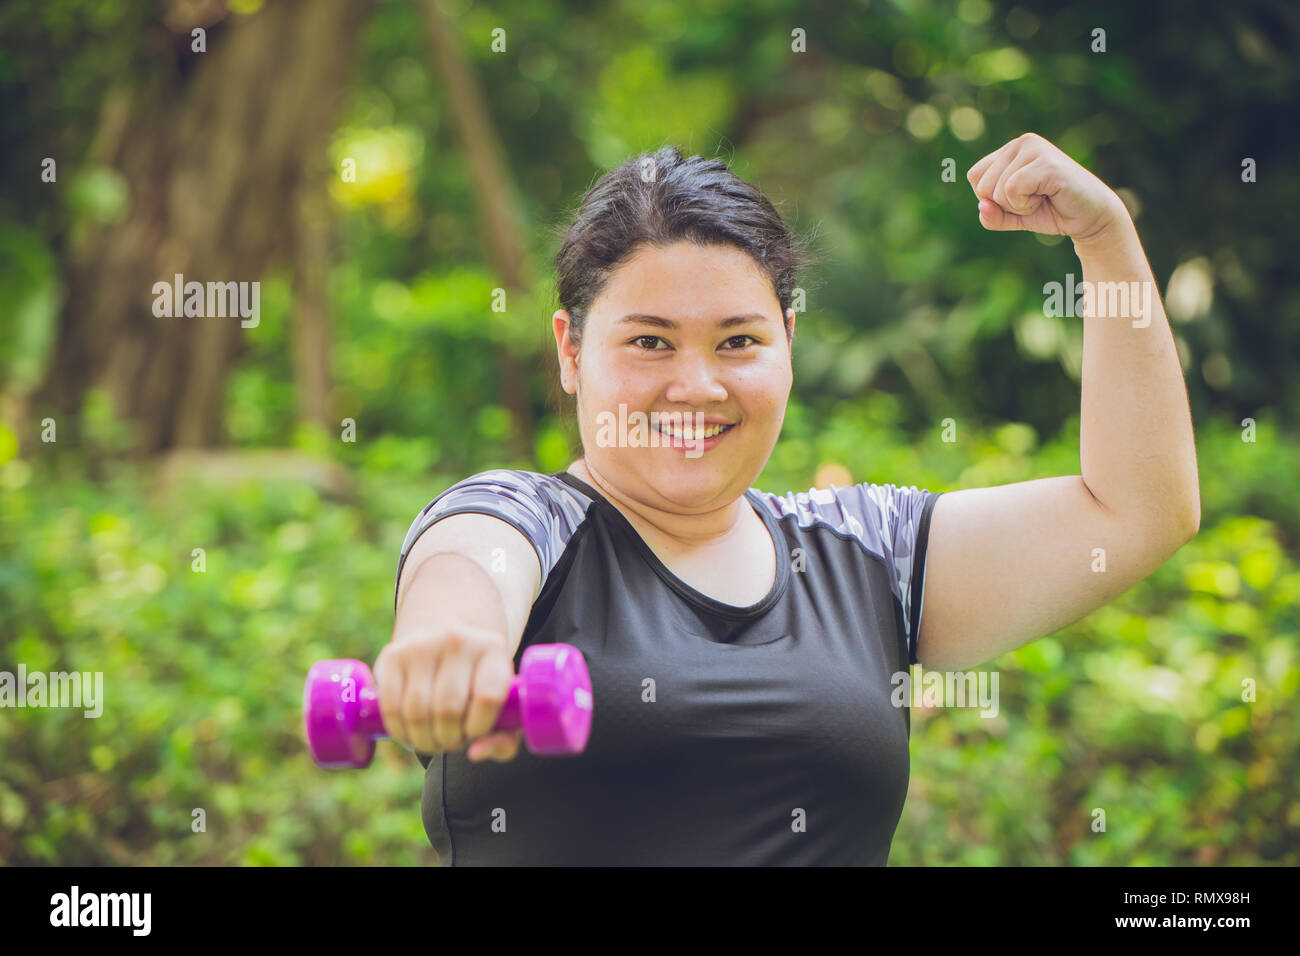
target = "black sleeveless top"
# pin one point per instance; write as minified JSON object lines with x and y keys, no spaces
{"x":721,"y":735}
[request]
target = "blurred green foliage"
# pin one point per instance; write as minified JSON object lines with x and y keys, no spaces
{"x":29,"y":287}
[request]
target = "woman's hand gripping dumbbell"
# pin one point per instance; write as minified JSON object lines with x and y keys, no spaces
{"x":436,"y":693}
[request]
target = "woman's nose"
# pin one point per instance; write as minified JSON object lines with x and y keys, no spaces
{"x":695,"y":381}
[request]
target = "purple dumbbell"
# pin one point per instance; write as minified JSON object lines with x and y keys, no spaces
{"x":550,"y":698}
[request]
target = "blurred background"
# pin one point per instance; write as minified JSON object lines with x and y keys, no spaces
{"x":200,"y":509}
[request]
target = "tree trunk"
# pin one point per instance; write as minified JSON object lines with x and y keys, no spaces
{"x":500,"y":213}
{"x":215,"y":160}
{"x":311,"y":322}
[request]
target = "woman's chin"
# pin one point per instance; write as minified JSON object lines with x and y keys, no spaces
{"x":690,"y":483}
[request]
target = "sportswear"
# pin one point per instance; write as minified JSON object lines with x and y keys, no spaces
{"x":721,"y":735}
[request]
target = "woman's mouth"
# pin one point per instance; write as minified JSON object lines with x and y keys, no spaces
{"x":688,"y":438}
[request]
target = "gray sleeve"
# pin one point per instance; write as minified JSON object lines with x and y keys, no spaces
{"x":524,"y":500}
{"x":894,"y":522}
{"x":889,"y":520}
{"x":903,"y":525}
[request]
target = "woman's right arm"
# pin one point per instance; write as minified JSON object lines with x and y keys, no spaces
{"x":465,"y":593}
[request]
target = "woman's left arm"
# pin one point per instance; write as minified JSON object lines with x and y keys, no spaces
{"x":1008,"y":564}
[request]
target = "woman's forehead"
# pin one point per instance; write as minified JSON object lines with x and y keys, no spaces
{"x":687,"y":289}
{"x":715,"y":259}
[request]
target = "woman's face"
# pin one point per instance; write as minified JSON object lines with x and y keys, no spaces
{"x":686,"y":362}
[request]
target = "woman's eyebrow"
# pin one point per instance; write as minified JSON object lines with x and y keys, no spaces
{"x":660,"y":322}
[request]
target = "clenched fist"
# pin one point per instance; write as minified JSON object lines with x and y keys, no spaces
{"x":443,"y":690}
{"x":1030,"y":184}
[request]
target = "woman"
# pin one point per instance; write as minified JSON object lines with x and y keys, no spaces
{"x":741,"y":644}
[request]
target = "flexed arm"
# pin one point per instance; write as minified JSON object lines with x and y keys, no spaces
{"x":1012,"y":563}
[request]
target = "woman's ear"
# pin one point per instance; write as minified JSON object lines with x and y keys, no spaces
{"x":566,"y":350}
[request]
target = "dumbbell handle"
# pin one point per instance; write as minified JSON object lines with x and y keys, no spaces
{"x":370,"y":722}
{"x":549,"y":700}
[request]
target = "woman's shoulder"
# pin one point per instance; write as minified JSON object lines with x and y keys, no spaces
{"x":543,"y":508}
{"x":511,"y":478}
{"x":529,"y":489}
{"x":878,"y":515}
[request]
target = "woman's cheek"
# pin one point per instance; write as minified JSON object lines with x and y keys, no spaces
{"x":772,"y":388}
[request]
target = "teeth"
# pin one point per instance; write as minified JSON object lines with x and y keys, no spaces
{"x":688,"y":432}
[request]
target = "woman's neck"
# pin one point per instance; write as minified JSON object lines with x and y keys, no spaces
{"x":687,"y":531}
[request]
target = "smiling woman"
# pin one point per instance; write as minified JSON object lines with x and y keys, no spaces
{"x":742,"y":645}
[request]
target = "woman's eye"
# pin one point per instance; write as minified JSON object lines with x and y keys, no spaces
{"x":654,"y":338}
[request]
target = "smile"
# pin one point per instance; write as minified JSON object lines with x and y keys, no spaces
{"x":692,"y":441}
{"x":691,"y":434}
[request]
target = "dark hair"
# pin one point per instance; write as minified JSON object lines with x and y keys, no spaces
{"x":658,"y":199}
